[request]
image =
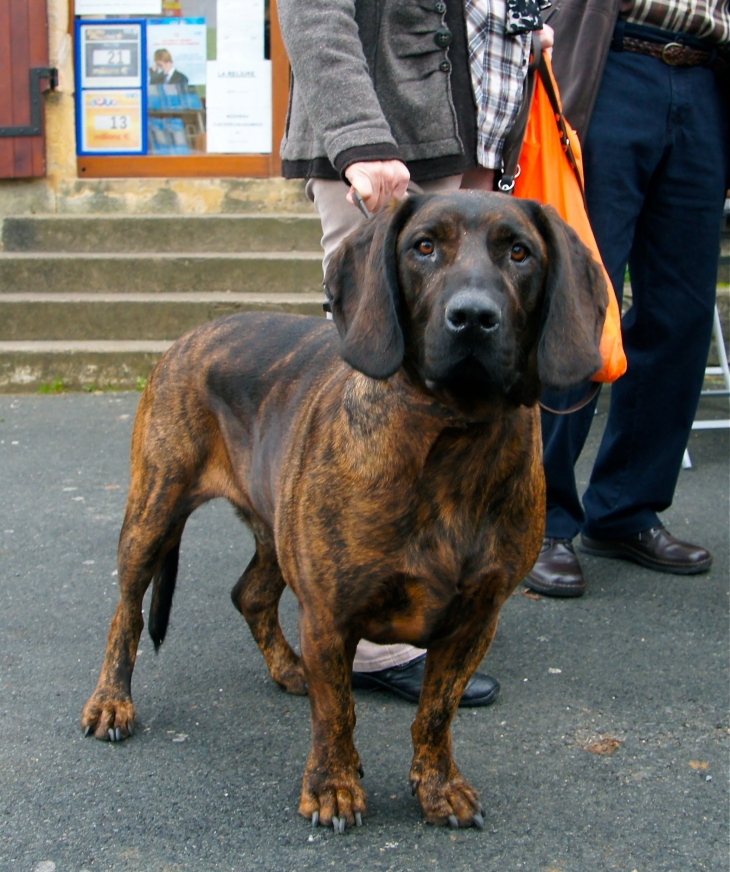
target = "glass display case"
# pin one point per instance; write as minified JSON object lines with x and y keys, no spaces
{"x":179,"y":87}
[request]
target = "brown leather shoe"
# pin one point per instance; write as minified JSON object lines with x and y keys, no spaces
{"x":656,"y":549}
{"x":557,"y":571}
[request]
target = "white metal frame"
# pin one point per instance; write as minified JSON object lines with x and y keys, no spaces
{"x":724,"y":371}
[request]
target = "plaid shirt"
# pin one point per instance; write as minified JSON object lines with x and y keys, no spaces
{"x":705,"y":19}
{"x":498,"y":64}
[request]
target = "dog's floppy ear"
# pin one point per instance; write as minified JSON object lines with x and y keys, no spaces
{"x":574,"y":308}
{"x":362,"y":285}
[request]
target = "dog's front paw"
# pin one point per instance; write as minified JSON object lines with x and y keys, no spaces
{"x":108,"y":717}
{"x":333,"y":798}
{"x":447,"y":800}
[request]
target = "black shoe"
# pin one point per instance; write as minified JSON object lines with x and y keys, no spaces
{"x":656,"y":549}
{"x":405,"y":681}
{"x":557,"y":571}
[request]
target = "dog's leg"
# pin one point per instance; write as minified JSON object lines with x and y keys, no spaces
{"x":445,"y":795}
{"x":147,"y":537}
{"x":331,"y":791}
{"x":256,"y":595}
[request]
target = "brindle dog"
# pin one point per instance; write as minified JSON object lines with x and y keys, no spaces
{"x":399,"y":491}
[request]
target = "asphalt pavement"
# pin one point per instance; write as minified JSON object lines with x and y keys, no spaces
{"x":637,"y":669}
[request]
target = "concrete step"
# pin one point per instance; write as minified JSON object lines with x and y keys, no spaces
{"x":258,"y":272}
{"x":130,"y":316}
{"x":170,"y":233}
{"x":92,"y":301}
{"x":55,"y":366}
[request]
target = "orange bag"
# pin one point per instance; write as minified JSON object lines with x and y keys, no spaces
{"x":551,"y":171}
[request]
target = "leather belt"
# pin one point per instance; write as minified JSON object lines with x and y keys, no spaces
{"x":673,"y":53}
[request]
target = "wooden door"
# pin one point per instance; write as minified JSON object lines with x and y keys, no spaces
{"x":23,"y":73}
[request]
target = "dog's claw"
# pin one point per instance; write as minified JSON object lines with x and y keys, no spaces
{"x":479,"y":821}
{"x":118,"y":734}
{"x":336,"y":824}
{"x":414,"y":787}
{"x":87,"y":731}
{"x":315,"y":819}
{"x":130,"y":728}
{"x":110,"y":733}
{"x":360,"y":771}
{"x":453,"y":822}
{"x":358,"y":819}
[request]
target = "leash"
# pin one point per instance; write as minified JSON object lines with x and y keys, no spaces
{"x":581,"y":404}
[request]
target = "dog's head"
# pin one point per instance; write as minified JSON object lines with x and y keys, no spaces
{"x":474,"y":294}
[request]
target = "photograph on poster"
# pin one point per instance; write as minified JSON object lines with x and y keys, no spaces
{"x":111,"y":55}
{"x":111,"y":122}
{"x":176,"y":51}
{"x":239,"y":108}
{"x":118,"y":7}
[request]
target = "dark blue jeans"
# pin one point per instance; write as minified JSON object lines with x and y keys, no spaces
{"x":657,"y":167}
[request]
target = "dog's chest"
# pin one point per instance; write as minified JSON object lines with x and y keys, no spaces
{"x":404,"y":515}
{"x":433,"y":502}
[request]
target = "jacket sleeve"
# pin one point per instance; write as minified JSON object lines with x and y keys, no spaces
{"x":331,"y":77}
{"x":583,"y":32}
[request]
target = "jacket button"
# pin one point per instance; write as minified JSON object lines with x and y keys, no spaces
{"x":445,"y":67}
{"x":440,"y":8}
{"x":443,"y":38}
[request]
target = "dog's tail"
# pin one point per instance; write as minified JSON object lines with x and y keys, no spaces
{"x":163,"y":588}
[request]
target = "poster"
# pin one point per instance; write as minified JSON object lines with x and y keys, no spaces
{"x":239,"y":107}
{"x":118,"y":7}
{"x":111,"y":122}
{"x":240,"y":31}
{"x":176,"y":51}
{"x":111,"y":55}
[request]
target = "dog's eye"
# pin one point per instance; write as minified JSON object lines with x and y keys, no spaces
{"x":518,"y":252}
{"x":425,"y":246}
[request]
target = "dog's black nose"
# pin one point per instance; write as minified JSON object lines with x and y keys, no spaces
{"x":472,"y":311}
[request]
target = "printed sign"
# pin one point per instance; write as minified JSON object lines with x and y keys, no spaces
{"x":118,"y":7}
{"x":239,"y":108}
{"x":240,"y":31}
{"x":176,"y":51}
{"x":111,"y":122}
{"x":111,"y":55}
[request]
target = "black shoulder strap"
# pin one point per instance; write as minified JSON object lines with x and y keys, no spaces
{"x":516,"y":135}
{"x":515,"y":138}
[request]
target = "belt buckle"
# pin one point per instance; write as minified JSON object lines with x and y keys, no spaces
{"x":670,"y":53}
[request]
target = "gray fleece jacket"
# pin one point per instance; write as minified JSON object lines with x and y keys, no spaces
{"x":372,"y":80}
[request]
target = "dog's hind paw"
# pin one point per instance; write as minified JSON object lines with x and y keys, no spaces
{"x":108,"y":719}
{"x":292,"y":680}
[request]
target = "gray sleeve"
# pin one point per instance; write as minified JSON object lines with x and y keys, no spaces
{"x":331,"y":74}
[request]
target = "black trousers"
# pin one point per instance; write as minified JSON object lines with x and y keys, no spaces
{"x":657,"y":166}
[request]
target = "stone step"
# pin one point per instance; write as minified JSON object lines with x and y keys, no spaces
{"x":83,"y":364}
{"x":170,"y":233}
{"x":53,"y":366}
{"x":258,"y":272}
{"x":130,"y":316}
